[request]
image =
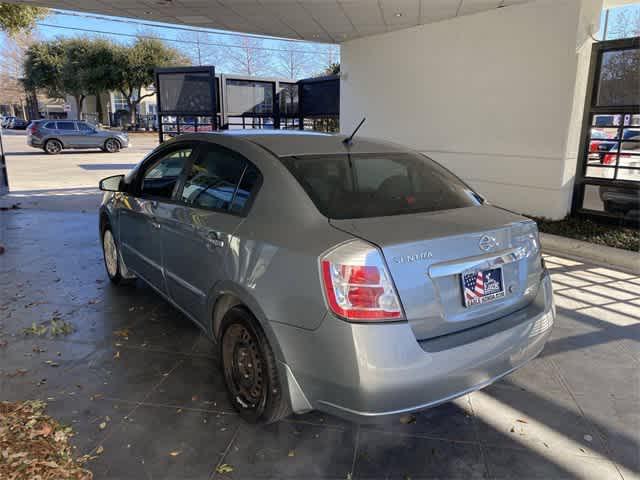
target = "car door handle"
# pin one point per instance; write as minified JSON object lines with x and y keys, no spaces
{"x":213,"y":240}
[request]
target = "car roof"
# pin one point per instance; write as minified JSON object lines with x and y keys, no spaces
{"x":285,"y":143}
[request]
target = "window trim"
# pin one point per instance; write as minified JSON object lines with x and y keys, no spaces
{"x":252,"y":194}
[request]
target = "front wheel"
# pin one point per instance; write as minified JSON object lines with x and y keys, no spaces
{"x":111,"y":257}
{"x":250,"y":369}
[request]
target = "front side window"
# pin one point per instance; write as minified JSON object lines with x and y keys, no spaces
{"x":83,"y":127}
{"x":66,"y":126}
{"x":161,"y":177}
{"x":377,"y":185}
{"x":213,"y":178}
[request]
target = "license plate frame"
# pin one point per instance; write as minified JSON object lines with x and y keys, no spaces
{"x":492,"y":286}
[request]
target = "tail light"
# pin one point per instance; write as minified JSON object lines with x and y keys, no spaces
{"x":609,"y":159}
{"x":357,"y":284}
{"x":593,"y":147}
{"x":32,"y":129}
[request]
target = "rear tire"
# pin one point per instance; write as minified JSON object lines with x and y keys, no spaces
{"x":111,"y":145}
{"x":53,"y":146}
{"x":250,"y":369}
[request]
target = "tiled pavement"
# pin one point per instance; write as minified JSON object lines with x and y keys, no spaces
{"x":139,"y":366}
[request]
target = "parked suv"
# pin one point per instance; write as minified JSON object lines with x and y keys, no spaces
{"x":55,"y":135}
{"x":358,"y":278}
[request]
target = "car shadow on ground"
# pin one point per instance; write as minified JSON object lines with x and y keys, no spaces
{"x":107,"y":166}
{"x":136,"y":365}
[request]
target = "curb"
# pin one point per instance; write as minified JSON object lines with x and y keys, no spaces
{"x":625,"y":260}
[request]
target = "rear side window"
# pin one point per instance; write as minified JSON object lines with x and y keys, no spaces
{"x":50,"y":126}
{"x":378,"y":185}
{"x":161,"y":177}
{"x":66,"y":126}
{"x":213,"y":178}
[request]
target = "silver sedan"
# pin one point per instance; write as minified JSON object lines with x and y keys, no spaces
{"x":357,"y":278}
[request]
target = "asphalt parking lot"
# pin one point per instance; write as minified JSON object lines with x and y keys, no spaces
{"x":140,"y":384}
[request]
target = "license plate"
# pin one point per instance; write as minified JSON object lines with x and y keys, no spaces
{"x":482,"y":286}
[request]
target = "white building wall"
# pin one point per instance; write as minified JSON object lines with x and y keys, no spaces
{"x":490,"y":96}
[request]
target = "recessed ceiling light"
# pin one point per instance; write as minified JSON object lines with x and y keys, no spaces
{"x":148,"y":12}
{"x":398,"y":14}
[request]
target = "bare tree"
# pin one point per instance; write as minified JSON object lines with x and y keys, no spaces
{"x":12,"y":92}
{"x":293,"y":63}
{"x":625,"y":24}
{"x":245,"y":55}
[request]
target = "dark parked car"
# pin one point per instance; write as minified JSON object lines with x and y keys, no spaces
{"x":55,"y":135}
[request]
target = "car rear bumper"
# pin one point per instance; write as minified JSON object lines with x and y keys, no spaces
{"x":34,"y":142}
{"x":365,"y":372}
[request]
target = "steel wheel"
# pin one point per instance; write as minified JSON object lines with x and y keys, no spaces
{"x":53,"y":147}
{"x":244,"y":368}
{"x":112,"y":145}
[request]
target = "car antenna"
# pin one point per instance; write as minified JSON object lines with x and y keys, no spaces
{"x":347,"y":141}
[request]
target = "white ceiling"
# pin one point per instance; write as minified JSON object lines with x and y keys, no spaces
{"x":316,"y":20}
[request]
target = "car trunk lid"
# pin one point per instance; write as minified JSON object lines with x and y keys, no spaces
{"x":428,"y":254}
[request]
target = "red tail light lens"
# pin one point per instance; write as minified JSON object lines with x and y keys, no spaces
{"x":609,"y":159}
{"x":357,"y":284}
{"x":593,"y":147}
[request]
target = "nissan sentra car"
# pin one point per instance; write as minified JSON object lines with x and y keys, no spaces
{"x":358,"y":277}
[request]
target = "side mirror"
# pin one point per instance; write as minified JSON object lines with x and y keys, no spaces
{"x":112,"y":184}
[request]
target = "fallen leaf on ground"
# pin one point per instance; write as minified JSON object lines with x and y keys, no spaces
{"x":122,"y":333}
{"x":292,"y":453}
{"x":44,"y":431}
{"x":407,"y":419}
{"x":224,"y":468}
{"x":103,"y":425}
{"x":175,"y":453}
{"x":116,"y":355}
{"x":521,"y":421}
{"x":99,"y":450}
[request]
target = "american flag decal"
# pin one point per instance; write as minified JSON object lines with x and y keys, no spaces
{"x":483,"y":286}
{"x":474,"y":285}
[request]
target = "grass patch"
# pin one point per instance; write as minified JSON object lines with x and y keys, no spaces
{"x":579,"y":228}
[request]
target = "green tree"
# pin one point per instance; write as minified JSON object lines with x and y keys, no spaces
{"x":43,"y":68}
{"x":134,"y":68}
{"x":77,"y":67}
{"x":333,"y":69}
{"x":16,"y":18}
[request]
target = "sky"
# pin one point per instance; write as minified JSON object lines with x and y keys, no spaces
{"x":314,"y":57}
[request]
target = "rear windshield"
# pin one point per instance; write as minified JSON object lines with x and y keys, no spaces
{"x":377,"y":185}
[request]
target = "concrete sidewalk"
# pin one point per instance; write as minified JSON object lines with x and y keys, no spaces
{"x":139,"y":367}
